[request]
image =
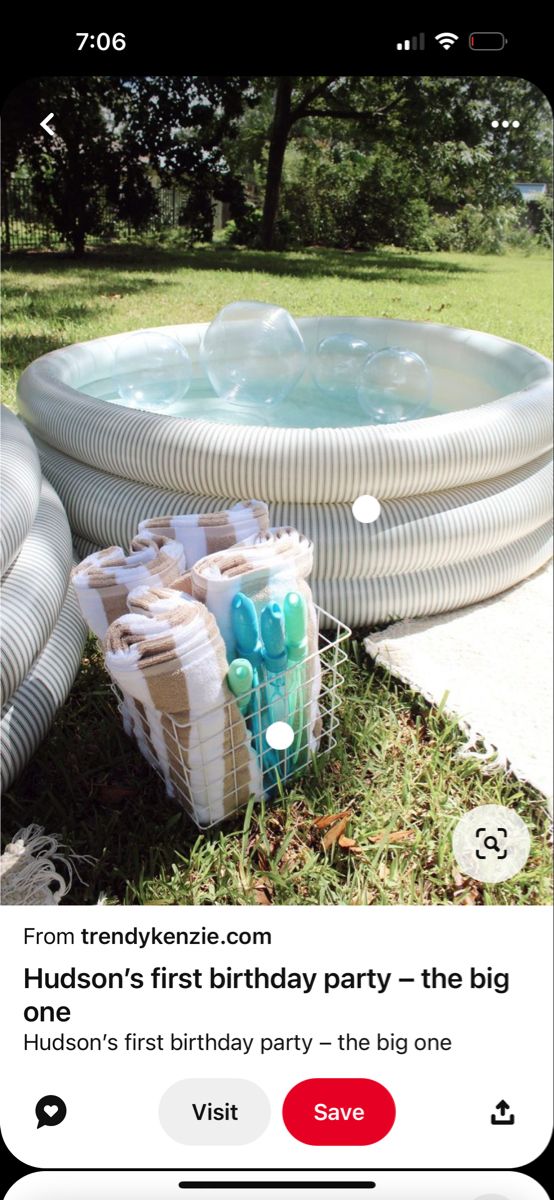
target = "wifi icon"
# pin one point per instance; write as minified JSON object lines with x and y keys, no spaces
{"x":446,"y":40}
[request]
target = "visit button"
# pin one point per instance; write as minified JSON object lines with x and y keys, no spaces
{"x":339,"y":1112}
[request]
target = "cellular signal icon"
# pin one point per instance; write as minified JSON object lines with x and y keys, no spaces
{"x":417,"y":42}
{"x":446,"y":40}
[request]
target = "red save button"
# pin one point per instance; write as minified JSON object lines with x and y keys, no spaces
{"x":339,"y":1112}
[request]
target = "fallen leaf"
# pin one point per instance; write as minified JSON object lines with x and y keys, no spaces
{"x":350,"y":844}
{"x":334,"y":834}
{"x":330,"y":818}
{"x":263,"y":891}
{"x":383,"y":869}
{"x":114,"y":794}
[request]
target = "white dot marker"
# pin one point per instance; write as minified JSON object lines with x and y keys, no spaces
{"x":505,"y":124}
{"x":495,"y":124}
{"x":515,"y":124}
{"x":279,"y":735}
{"x":366,"y":509}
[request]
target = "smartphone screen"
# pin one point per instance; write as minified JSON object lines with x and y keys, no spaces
{"x":276,"y":618}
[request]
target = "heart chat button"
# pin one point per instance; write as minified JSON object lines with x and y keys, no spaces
{"x":50,"y":1110}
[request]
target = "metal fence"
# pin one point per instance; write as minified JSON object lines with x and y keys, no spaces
{"x":27,"y":226}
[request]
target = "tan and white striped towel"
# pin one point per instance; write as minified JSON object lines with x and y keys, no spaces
{"x":168,"y":659}
{"x":104,"y":579}
{"x":265,"y":568}
{"x":206,"y":533}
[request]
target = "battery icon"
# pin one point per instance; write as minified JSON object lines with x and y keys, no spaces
{"x":487,"y":41}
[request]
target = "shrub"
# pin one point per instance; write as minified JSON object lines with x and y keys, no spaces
{"x":349,"y":200}
{"x":246,"y":227}
{"x":539,"y":219}
{"x":473,"y":230}
{"x":197,"y":215}
{"x":352,"y":201}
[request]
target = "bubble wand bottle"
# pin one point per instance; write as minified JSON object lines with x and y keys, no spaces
{"x":296,"y":628}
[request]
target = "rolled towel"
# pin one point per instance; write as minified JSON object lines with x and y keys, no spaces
{"x":264,"y":567}
{"x":167,"y":657}
{"x":206,"y":533}
{"x":104,"y":579}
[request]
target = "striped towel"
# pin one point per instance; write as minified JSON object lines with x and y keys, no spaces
{"x":168,"y":659}
{"x":104,"y":579}
{"x":265,"y":568}
{"x":205,"y":533}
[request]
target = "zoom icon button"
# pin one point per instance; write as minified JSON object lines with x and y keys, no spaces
{"x":491,"y":843}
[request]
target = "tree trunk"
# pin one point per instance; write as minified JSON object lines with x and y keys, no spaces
{"x":78,"y":240}
{"x":280,"y":130}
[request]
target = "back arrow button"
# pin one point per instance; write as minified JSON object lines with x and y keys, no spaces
{"x":44,"y":124}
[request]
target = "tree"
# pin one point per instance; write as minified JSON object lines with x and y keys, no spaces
{"x":182,"y":125}
{"x":71,"y":169}
{"x":114,"y":137}
{"x":297,"y":100}
{"x":440,"y":128}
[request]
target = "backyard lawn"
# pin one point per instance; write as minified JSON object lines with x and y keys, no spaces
{"x":50,"y":300}
{"x":396,"y":769}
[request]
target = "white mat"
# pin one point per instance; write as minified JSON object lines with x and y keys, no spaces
{"x":495,"y":662}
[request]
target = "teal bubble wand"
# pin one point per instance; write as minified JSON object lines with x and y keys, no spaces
{"x":239,"y":678}
{"x":244,"y":622}
{"x":296,"y":629}
{"x":275,"y":659}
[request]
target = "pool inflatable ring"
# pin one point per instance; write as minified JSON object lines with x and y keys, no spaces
{"x":20,"y":481}
{"x":33,"y":590}
{"x":416,"y":532}
{"x":397,"y":567}
{"x":457,"y":490}
{"x":30,"y":712}
{"x":42,"y":633}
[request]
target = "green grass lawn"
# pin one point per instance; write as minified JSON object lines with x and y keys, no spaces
{"x":50,"y":301}
{"x":396,"y":766}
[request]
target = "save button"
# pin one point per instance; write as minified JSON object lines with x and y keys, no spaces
{"x":339,"y":1112}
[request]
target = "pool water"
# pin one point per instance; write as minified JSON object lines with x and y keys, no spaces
{"x":307,"y":406}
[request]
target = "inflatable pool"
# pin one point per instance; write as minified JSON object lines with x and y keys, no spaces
{"x":465,"y":493}
{"x":42,"y":632}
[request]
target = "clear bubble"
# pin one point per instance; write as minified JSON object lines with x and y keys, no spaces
{"x":338,"y":363}
{"x":153,"y":370}
{"x":253,"y":353}
{"x":395,"y":385}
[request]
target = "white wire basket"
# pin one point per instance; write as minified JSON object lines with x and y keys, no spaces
{"x":213,"y":765}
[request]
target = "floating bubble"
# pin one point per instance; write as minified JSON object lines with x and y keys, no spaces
{"x":338,"y":363}
{"x":253,"y":353}
{"x":395,"y":385}
{"x":153,"y":370}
